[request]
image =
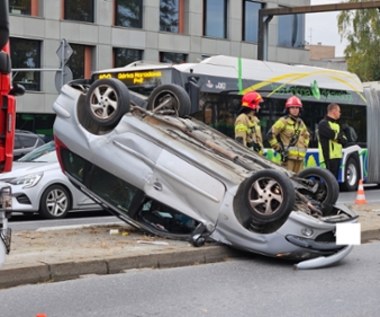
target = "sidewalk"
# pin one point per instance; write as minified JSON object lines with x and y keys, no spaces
{"x":55,"y":255}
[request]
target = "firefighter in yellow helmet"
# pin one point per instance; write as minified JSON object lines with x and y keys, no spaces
{"x":289,"y":136}
{"x":247,"y":124}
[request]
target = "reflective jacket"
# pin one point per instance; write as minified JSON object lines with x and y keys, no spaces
{"x":291,"y":135}
{"x":329,"y":143}
{"x":247,"y":127}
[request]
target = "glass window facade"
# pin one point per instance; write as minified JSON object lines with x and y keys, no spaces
{"x":251,"y":21}
{"x":291,"y":30}
{"x":175,"y":58}
{"x":169,"y":15}
{"x":26,"y":54}
{"x":215,"y":16}
{"x":129,"y":13}
{"x":82,"y":10}
{"x":79,"y":60}
{"x":41,"y":123}
{"x":125,"y":56}
{"x":20,"y":7}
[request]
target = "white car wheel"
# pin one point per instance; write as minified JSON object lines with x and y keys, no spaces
{"x":55,"y":202}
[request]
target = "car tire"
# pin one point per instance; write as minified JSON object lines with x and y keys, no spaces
{"x":328,"y":187}
{"x":170,"y":99}
{"x":351,"y":175}
{"x":55,"y":202}
{"x":264,"y":201}
{"x":107,"y":100}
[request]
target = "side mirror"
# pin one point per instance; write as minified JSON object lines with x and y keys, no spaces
{"x":194,"y":92}
{"x":5,"y":63}
{"x":17,"y":90}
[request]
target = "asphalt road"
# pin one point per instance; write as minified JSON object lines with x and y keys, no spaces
{"x":256,"y":286}
{"x":372,"y":194}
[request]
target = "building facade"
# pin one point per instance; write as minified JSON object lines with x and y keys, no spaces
{"x":111,"y":33}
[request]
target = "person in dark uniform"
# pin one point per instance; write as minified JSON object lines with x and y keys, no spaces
{"x":331,"y":139}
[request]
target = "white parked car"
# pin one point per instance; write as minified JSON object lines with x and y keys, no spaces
{"x":39,"y":186}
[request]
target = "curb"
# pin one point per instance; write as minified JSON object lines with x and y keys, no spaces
{"x":53,"y":272}
{"x":45,"y":272}
{"x":369,"y":235}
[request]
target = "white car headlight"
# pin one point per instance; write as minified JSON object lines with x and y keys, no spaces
{"x":27,"y":180}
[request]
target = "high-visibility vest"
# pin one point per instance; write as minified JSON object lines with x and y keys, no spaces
{"x":335,"y":148}
{"x":284,"y":130}
{"x":248,"y":128}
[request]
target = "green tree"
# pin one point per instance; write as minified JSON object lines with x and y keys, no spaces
{"x":361,"y":28}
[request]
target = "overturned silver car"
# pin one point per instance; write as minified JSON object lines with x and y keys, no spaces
{"x":173,"y":176}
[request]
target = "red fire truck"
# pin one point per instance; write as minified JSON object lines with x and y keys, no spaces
{"x":7,"y":125}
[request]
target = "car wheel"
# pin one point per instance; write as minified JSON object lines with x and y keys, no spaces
{"x":107,"y":100}
{"x":323,"y":185}
{"x":170,"y":100}
{"x":55,"y":202}
{"x":351,"y":175}
{"x":264,"y":201}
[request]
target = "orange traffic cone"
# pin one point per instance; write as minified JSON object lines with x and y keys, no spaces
{"x":360,"y":197}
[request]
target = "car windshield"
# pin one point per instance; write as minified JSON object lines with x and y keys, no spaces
{"x":44,"y":153}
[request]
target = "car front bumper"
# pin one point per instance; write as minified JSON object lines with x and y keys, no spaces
{"x":324,"y":261}
{"x":21,"y":202}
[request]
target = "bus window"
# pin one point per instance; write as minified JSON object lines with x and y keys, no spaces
{"x":219,"y":111}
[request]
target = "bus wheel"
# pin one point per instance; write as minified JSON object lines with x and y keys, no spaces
{"x":321,"y":185}
{"x":107,"y":100}
{"x":351,"y":175}
{"x":264,"y":201}
{"x":170,"y":99}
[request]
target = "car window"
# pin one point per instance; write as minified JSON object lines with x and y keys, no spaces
{"x":107,"y":186}
{"x":27,"y":140}
{"x":49,"y":157}
{"x":38,"y":152}
{"x":112,"y":189}
{"x":164,"y":218}
{"x":17,"y":144}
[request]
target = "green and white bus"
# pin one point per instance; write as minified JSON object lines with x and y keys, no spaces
{"x":216,"y":84}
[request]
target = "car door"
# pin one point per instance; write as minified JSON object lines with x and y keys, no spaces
{"x":184,"y":186}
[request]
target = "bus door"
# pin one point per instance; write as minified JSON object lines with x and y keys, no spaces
{"x":219,"y":110}
{"x":194,"y":91}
